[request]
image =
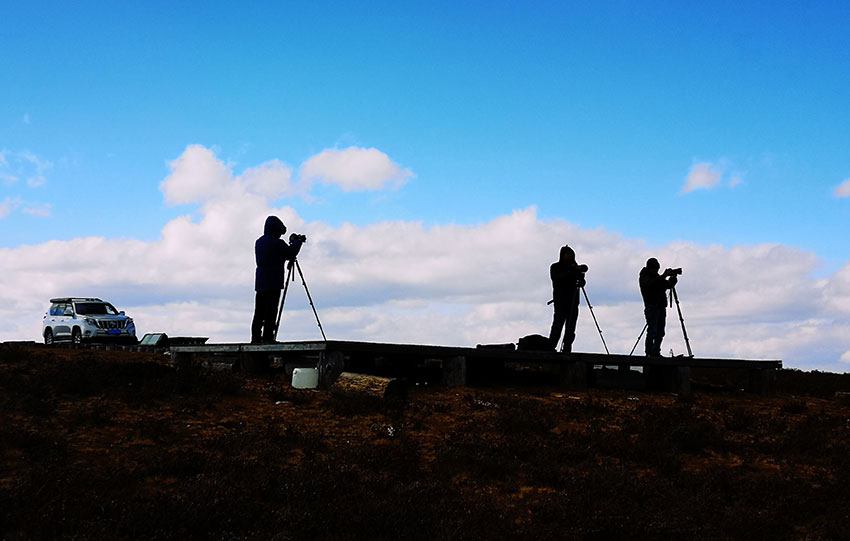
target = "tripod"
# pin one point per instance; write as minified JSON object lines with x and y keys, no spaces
{"x":645,"y":325}
{"x":594,"y":320}
{"x":574,"y":303}
{"x":294,"y":263}
{"x":673,"y":296}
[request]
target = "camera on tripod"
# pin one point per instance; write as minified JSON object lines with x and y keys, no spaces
{"x":295,"y":236}
{"x":673,"y":272}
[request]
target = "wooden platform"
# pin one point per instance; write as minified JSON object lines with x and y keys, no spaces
{"x":457,"y":365}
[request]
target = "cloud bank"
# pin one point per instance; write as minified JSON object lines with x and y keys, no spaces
{"x":441,"y":284}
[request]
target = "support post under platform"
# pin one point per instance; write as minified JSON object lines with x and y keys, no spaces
{"x":454,"y":371}
{"x":673,"y":379}
{"x":574,"y":374}
{"x":331,"y":365}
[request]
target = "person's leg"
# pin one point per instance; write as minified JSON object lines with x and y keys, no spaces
{"x":257,"y":321}
{"x":270,"y":306}
{"x":660,"y":323}
{"x":653,"y":344}
{"x":570,"y":328}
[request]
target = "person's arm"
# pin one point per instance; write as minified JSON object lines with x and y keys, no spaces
{"x":294,"y":246}
{"x":650,"y":281}
{"x":557,"y":274}
{"x":669,"y":280}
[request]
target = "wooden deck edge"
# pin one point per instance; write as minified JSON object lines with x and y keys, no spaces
{"x":424,"y":351}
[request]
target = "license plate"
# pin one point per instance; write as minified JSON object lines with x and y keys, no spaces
{"x":113,"y":331}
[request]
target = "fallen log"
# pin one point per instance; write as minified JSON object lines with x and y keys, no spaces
{"x":352,"y":385}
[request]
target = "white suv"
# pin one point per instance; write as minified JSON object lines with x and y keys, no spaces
{"x":78,"y":319}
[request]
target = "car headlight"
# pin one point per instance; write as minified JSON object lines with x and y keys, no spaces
{"x":91,"y":321}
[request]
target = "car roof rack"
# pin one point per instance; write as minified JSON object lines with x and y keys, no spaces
{"x":74,"y":299}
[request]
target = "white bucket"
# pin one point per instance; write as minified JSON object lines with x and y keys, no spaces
{"x":305,"y":378}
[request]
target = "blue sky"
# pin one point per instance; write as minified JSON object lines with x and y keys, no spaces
{"x":592,"y":113}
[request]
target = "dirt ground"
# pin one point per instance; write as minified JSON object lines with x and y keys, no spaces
{"x":118,"y":445}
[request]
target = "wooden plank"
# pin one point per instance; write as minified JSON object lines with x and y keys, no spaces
{"x":447,"y":352}
{"x":211,"y":348}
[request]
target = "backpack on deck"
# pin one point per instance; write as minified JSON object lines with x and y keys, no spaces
{"x":534,"y":342}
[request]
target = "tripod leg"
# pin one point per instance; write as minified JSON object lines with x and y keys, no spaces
{"x":645,"y":326}
{"x":563,"y":339}
{"x":594,"y":320}
{"x":310,"y":298}
{"x":282,"y":300}
{"x":682,"y":321}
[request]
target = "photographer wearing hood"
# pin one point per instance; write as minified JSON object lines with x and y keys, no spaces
{"x":567,"y":278}
{"x":271,"y":253}
{"x":653,"y":289}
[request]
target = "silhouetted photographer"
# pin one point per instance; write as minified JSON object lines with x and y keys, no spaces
{"x":567,"y":278}
{"x":271,"y":253}
{"x":653,"y":289}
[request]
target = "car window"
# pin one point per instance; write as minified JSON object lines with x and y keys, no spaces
{"x":90,"y":308}
{"x":54,"y":309}
{"x":65,"y":310}
{"x":95,"y":309}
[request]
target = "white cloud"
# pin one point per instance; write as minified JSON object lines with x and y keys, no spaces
{"x":24,"y":164}
{"x":701,"y":175}
{"x":8,"y":205}
{"x":196,"y":175}
{"x":271,"y":179}
{"x":354,"y":169}
{"x":37,"y":209}
{"x":402,"y":281}
{"x":40,"y":164}
{"x":842,"y":190}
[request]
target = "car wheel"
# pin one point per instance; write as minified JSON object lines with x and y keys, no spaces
{"x":76,"y":336}
{"x":48,"y":337}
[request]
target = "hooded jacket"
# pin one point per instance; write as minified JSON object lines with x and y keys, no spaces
{"x":566,"y":279}
{"x":271,"y":253}
{"x":654,"y":286}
